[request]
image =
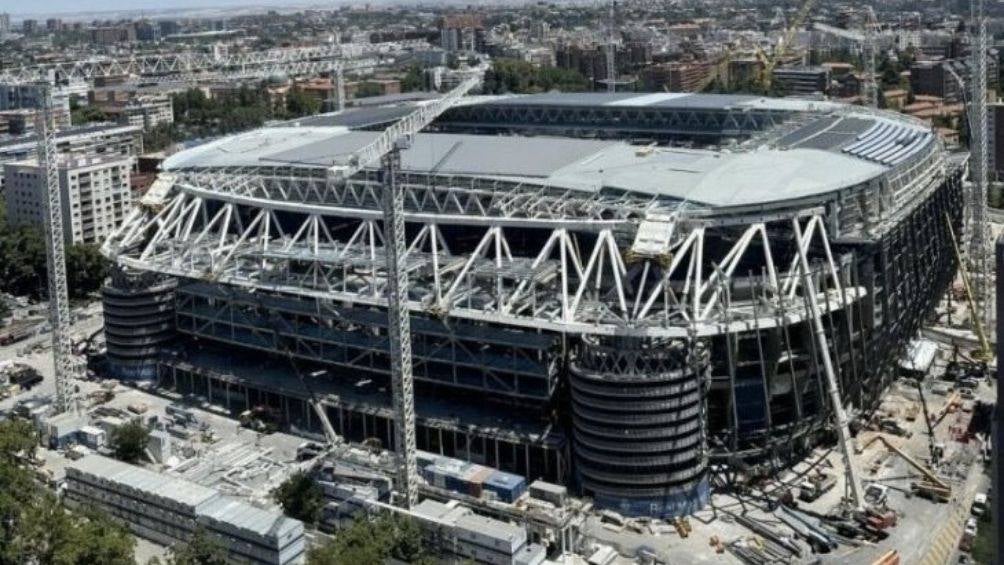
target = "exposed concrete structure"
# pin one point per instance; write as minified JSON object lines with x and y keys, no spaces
{"x":659,"y":280}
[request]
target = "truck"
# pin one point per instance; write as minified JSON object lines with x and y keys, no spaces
{"x":876,"y":495}
{"x":815,"y":485}
{"x":23,"y":376}
{"x":18,"y":330}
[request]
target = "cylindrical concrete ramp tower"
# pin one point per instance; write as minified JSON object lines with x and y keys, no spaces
{"x":139,"y":321}
{"x":638,"y":420}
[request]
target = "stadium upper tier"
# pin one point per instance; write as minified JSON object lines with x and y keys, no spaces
{"x":798,"y":152}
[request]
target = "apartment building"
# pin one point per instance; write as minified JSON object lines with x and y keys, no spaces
{"x":146,"y":112}
{"x":95,"y":195}
{"x":94,"y":140}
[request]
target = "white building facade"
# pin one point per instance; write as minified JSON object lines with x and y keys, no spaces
{"x":95,"y":195}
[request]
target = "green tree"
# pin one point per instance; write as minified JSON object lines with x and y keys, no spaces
{"x":87,"y":269}
{"x":161,"y":137}
{"x":367,"y":89}
{"x":129,"y":441}
{"x":374,"y":540}
{"x":35,"y":528}
{"x":200,"y":550}
{"x":520,"y":77}
{"x":300,"y":497}
{"x":87,"y":114}
{"x":413,"y":80}
{"x":299,"y":104}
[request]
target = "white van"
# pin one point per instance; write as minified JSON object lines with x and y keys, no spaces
{"x":979,"y":505}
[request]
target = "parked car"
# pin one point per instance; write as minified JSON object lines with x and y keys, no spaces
{"x":979,"y":507}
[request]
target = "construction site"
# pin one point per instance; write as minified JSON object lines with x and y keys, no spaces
{"x":556,"y":328}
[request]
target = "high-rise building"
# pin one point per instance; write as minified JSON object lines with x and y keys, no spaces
{"x":4,"y":23}
{"x":802,"y":80}
{"x":27,"y":96}
{"x":465,"y":32}
{"x":147,"y":111}
{"x":95,"y":193}
{"x":29,"y":27}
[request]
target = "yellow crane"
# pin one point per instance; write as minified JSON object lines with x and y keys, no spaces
{"x":985,"y":352}
{"x":720,"y":69}
{"x":769,"y":63}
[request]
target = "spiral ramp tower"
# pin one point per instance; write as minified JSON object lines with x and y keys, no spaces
{"x":638,"y":419}
{"x":139,"y":322}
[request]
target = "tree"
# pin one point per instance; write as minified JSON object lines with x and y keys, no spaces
{"x":35,"y":528}
{"x":87,"y":114}
{"x":200,"y":550}
{"x":86,"y":269}
{"x":129,"y":441}
{"x":520,"y":77}
{"x":413,"y":80}
{"x":160,"y":137}
{"x":368,"y":89}
{"x":299,"y":104}
{"x":374,"y":541}
{"x":300,"y":497}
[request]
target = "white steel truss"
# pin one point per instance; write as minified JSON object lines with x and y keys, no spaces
{"x":576,"y":280}
{"x":186,"y":64}
{"x":65,"y":366}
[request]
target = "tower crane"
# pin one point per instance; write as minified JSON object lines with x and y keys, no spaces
{"x":770,"y":63}
{"x":866,"y":38}
{"x":976,"y":201}
{"x":55,"y":258}
{"x":386,"y":150}
{"x":178,"y":65}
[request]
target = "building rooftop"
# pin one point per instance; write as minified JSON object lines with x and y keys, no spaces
{"x":70,"y":133}
{"x":150,"y":483}
{"x":253,"y":520}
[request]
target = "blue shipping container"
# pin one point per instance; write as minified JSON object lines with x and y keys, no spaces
{"x":507,"y":486}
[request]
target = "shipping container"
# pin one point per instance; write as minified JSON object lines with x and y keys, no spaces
{"x":507,"y":486}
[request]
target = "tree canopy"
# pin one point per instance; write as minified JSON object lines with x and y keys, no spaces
{"x":374,"y":541}
{"x":299,"y":104}
{"x":35,"y":528}
{"x":23,"y":267}
{"x":129,"y":441}
{"x":202,"y":549}
{"x":520,"y":77}
{"x":300,"y":497}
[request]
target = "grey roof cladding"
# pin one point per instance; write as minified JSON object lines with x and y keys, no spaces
{"x":810,"y":161}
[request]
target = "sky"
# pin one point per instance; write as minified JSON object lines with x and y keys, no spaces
{"x":19,"y":8}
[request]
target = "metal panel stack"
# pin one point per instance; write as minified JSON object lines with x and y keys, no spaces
{"x":167,"y":510}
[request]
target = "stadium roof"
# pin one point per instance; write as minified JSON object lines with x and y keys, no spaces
{"x":826,"y":151}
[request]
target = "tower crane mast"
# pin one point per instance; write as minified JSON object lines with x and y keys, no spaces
{"x":42,"y":77}
{"x":979,"y":249}
{"x":55,"y":257}
{"x":386,"y":150}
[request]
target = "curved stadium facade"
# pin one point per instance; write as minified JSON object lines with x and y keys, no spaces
{"x":605,"y":289}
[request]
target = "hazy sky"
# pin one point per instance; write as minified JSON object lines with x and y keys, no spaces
{"x":22,"y":7}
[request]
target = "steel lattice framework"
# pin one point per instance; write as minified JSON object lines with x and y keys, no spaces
{"x":188,"y":65}
{"x":59,"y":302}
{"x":659,"y":287}
{"x":979,"y":249}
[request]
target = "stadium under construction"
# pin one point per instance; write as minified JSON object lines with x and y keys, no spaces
{"x":617,"y":292}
